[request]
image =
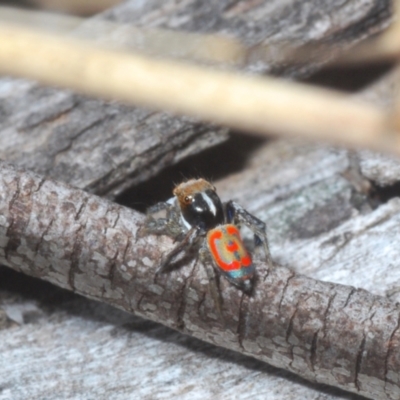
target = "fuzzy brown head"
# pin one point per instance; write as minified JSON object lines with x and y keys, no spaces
{"x":199,"y":203}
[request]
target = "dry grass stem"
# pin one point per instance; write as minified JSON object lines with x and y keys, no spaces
{"x":263,"y":105}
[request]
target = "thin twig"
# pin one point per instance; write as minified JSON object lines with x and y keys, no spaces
{"x":324,"y":332}
{"x":263,"y":105}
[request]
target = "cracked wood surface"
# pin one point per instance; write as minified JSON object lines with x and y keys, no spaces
{"x":325,"y":332}
{"x":105,"y":147}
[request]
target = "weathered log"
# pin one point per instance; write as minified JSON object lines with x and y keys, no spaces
{"x":325,"y":332}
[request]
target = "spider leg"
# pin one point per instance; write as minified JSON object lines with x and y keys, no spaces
{"x":184,"y":245}
{"x":164,"y":205}
{"x":213,"y":286}
{"x":170,"y":225}
{"x":236,"y":214}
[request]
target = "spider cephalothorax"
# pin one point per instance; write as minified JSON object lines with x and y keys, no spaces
{"x":199,"y":204}
{"x":196,"y":212}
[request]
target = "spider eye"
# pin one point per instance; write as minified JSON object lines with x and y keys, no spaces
{"x":188,"y":199}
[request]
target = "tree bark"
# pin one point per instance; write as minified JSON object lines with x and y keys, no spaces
{"x":324,"y":332}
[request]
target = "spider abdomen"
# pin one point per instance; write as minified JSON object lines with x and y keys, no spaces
{"x":230,"y":255}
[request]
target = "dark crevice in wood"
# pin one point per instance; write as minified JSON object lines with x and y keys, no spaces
{"x":212,"y":164}
{"x":43,"y":180}
{"x":111,"y":273}
{"x":284,"y":289}
{"x":76,"y":135}
{"x":313,"y":351}
{"x":350,"y":79}
{"x":326,"y":314}
{"x":289,"y":332}
{"x":390,"y":350}
{"x":46,"y":230}
{"x":28,"y":288}
{"x":128,"y":242}
{"x":352,"y":291}
{"x":81,"y":208}
{"x":14,"y":197}
{"x":139,"y":303}
{"x":76,"y":253}
{"x":180,"y":316}
{"x":267,"y":272}
{"x":13,"y":241}
{"x":48,"y":119}
{"x":360,"y":353}
{"x":157,"y":158}
{"x":358,"y":361}
{"x":201,"y":302}
{"x":381,"y":195}
{"x":116,"y":220}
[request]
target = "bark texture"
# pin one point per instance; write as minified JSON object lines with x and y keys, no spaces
{"x":100,"y":146}
{"x":338,"y":24}
{"x":325,"y":332}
